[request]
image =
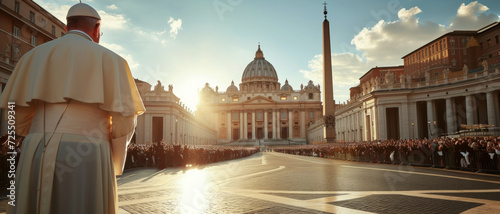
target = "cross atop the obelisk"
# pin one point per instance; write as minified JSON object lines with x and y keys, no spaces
{"x":325,"y":12}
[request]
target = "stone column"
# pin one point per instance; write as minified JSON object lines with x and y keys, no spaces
{"x":172,"y":129}
{"x":450,"y":116}
{"x":382,"y":123}
{"x":229,"y":125}
{"x":265,"y":124}
{"x":469,"y":109}
{"x":241,"y":126}
{"x":278,"y":120}
{"x":290,"y":124}
{"x":405,"y":128}
{"x":430,"y":118}
{"x":148,"y":128}
{"x":245,"y":125}
{"x":274,"y":124}
{"x":492,"y":112}
{"x":253,"y":125}
{"x":303,"y":124}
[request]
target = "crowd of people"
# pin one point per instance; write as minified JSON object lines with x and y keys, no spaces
{"x":468,"y":153}
{"x":164,"y":155}
{"x":159,"y":155}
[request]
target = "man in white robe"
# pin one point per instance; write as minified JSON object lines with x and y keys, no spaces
{"x":77,"y":104}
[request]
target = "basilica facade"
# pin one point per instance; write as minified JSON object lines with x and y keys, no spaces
{"x":260,"y":108}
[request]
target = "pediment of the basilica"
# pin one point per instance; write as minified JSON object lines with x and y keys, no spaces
{"x":259,"y":100}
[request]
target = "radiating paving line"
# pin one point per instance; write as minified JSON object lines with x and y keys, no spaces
{"x":321,"y":204}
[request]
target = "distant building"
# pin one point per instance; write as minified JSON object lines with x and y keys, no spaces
{"x":24,"y":25}
{"x":260,"y":109}
{"x":167,"y":119}
{"x":444,"y":88}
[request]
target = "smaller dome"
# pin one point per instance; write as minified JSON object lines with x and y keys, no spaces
{"x":286,"y":87}
{"x":232,"y":88}
{"x":310,"y":86}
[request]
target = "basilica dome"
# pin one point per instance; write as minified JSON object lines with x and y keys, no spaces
{"x":259,"y":70}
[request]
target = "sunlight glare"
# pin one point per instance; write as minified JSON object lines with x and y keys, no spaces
{"x":194,"y":187}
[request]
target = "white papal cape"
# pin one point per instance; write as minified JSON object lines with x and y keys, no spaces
{"x":77,"y":104}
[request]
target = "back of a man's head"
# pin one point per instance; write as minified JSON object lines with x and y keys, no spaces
{"x":82,"y":23}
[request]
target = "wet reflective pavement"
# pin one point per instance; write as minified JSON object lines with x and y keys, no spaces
{"x":278,"y":183}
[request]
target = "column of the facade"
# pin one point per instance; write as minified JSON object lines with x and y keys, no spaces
{"x":148,"y":128}
{"x":278,"y":121}
{"x":245,"y":125}
{"x":374,"y":125}
{"x":265,"y":124}
{"x":290,"y":123}
{"x":166,"y":128}
{"x":430,"y":118}
{"x":188,"y":131}
{"x":450,"y":116}
{"x":404,"y":129}
{"x":171,"y":130}
{"x":229,"y":125}
{"x":469,"y":109}
{"x":175,"y":128}
{"x":303,"y":123}
{"x":360,"y":126}
{"x":274,"y":124}
{"x":490,"y":105}
{"x":253,"y":125}
{"x":241,"y":125}
{"x":382,"y":123}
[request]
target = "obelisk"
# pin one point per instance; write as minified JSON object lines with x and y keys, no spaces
{"x":328,"y":102}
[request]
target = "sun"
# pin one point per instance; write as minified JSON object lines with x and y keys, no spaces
{"x":187,"y":90}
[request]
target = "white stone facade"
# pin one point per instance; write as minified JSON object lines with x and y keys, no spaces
{"x":167,"y":119}
{"x":422,"y":109}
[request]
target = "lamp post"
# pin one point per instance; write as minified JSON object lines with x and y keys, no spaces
{"x":429,"y":127}
{"x":435,"y":129}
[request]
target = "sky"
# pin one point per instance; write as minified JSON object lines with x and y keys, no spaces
{"x":187,"y":43}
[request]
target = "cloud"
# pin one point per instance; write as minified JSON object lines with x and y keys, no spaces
{"x":59,"y":11}
{"x":347,"y":68}
{"x":472,"y":17}
{"x":175,"y":26}
{"x":120,"y":50}
{"x":112,"y":21}
{"x":112,"y":7}
{"x":383,"y":42}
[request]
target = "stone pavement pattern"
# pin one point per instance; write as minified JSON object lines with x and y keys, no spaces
{"x":277,"y":183}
